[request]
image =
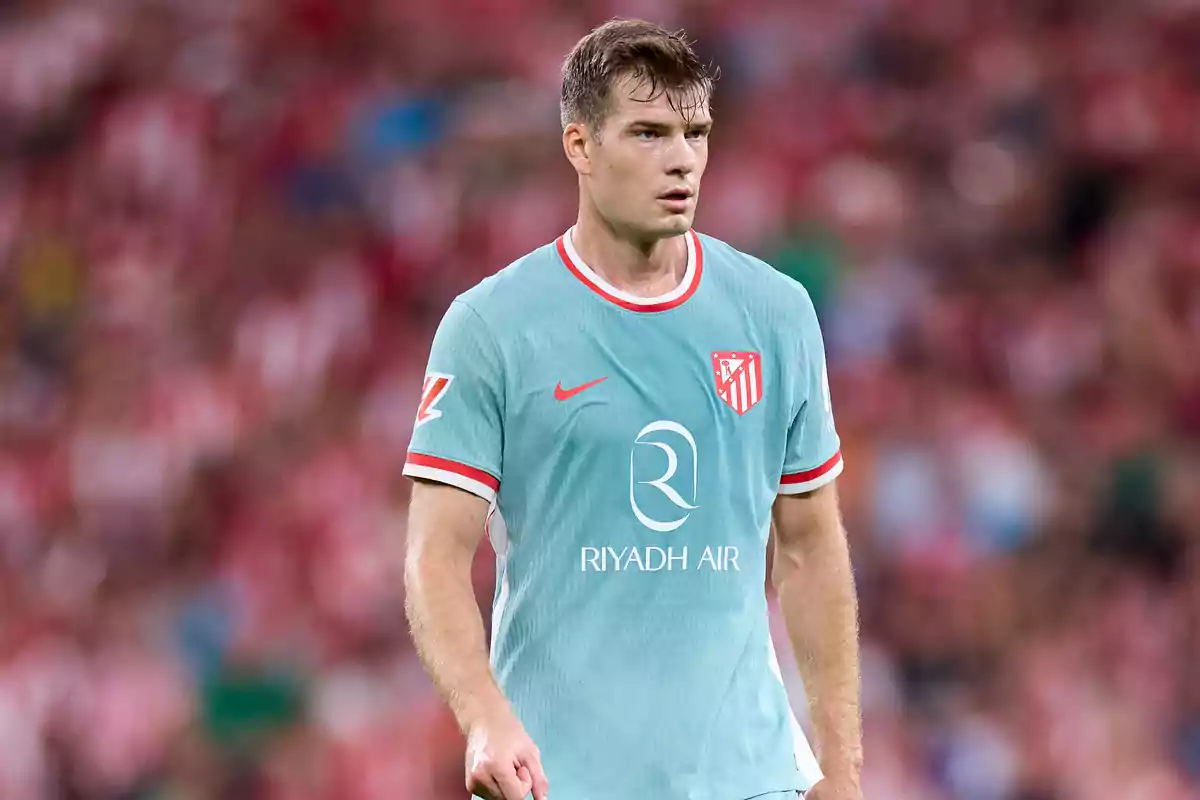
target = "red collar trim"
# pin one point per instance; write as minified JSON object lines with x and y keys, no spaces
{"x":592,"y":281}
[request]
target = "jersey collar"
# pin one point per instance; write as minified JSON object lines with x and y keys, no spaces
{"x":676,"y":297}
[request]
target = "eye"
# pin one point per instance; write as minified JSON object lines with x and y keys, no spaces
{"x":697,"y":133}
{"x":646,"y":135}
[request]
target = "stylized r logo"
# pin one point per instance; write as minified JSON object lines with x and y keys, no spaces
{"x":663,"y":483}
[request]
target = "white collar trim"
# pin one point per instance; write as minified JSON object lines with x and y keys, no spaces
{"x":689,"y":275}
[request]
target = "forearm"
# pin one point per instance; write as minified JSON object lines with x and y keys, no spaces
{"x":815,"y":585}
{"x":448,"y":631}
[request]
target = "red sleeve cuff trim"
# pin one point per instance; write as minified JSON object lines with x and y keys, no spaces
{"x":812,"y":474}
{"x":486,"y":478}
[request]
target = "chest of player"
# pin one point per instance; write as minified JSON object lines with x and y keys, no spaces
{"x":657,"y":411}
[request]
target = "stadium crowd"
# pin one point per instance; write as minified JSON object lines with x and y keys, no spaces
{"x":228,"y":228}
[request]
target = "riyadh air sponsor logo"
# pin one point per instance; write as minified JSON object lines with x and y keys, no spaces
{"x":642,"y":446}
{"x":712,"y":558}
{"x":663,"y":475}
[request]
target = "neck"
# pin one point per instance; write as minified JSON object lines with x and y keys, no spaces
{"x":637,"y":265}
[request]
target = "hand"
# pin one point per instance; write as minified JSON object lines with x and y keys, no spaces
{"x":503,"y":763}
{"x":835,"y":788}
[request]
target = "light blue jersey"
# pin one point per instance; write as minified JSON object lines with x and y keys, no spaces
{"x":633,"y":449}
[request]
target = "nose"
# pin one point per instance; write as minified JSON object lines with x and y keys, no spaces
{"x":680,"y":157}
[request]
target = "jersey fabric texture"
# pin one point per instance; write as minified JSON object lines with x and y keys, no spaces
{"x":632,"y":449}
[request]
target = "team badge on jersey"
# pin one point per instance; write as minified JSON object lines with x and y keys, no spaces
{"x":435,"y":388}
{"x":739,"y":379}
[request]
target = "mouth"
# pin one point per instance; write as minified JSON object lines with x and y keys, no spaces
{"x":676,"y":195}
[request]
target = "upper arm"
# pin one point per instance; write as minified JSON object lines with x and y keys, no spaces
{"x":458,"y":435}
{"x":813,"y":453}
{"x":445,"y":524}
{"x":806,"y":508}
{"x":801,"y":519}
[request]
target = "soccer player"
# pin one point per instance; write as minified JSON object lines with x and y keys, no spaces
{"x":626,"y":411}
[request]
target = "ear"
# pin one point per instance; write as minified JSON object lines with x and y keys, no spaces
{"x":578,"y":144}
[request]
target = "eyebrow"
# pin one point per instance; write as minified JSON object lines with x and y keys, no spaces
{"x":662,"y":126}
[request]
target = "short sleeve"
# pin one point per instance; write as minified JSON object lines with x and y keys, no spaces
{"x":458,"y":433}
{"x":813,"y":457}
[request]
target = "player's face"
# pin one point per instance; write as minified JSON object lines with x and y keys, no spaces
{"x":645,"y":169}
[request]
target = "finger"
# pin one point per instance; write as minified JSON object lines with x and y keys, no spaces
{"x":525,"y":779}
{"x":510,"y":785}
{"x":541,"y":786}
{"x":484,"y":787}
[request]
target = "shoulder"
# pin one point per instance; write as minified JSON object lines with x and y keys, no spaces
{"x":502,"y":295}
{"x":754,"y":281}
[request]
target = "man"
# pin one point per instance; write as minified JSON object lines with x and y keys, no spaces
{"x":627,"y":411}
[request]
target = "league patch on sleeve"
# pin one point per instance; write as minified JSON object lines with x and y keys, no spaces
{"x":436,"y":385}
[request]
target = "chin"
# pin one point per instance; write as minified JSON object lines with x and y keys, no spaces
{"x":664,"y":227}
{"x":674,"y":225}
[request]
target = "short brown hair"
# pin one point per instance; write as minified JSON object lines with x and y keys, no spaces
{"x":648,"y":53}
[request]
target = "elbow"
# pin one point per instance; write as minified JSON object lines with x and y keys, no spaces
{"x":784,"y":567}
{"x":419,"y":568}
{"x":412,"y":575}
{"x":412,"y":590}
{"x":424,"y":577}
{"x":429,"y":567}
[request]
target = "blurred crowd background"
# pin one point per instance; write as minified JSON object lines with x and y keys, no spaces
{"x":228,"y":228}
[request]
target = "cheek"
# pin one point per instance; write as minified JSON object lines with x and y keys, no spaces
{"x":624,"y":173}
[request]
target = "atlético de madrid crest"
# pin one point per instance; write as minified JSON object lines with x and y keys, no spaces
{"x":739,"y":378}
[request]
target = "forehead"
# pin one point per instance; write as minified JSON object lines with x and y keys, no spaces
{"x":632,"y":99}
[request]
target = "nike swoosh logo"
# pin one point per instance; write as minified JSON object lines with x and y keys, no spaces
{"x":561,"y":394}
